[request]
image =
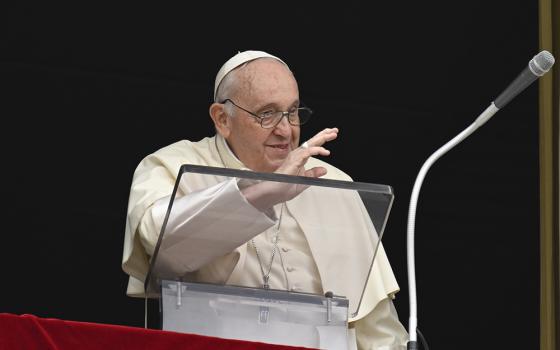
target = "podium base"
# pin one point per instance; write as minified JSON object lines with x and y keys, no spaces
{"x":263,"y":315}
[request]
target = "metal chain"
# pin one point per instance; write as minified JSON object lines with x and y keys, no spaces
{"x":266,"y":276}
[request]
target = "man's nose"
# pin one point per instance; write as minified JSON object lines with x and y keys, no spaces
{"x":283,"y":128}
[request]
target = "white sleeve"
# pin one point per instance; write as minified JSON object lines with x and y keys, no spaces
{"x":205,"y":225}
{"x":381,"y":329}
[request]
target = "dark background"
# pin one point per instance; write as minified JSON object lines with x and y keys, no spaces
{"x":88,"y":91}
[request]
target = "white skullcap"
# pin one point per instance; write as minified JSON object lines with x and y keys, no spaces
{"x":236,"y":61}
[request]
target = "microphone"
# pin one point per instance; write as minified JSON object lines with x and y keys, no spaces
{"x":538,"y":66}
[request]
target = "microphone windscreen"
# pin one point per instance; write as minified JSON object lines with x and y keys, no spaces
{"x":541,"y":63}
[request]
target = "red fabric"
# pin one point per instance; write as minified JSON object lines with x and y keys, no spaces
{"x":31,"y":332}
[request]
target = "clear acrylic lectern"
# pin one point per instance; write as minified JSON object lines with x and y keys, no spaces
{"x":208,"y":225}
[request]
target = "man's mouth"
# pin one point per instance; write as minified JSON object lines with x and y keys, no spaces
{"x":281,"y":146}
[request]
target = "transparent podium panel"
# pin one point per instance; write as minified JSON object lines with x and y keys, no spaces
{"x":263,"y":315}
{"x":248,"y":255}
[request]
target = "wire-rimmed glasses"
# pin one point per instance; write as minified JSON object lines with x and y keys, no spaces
{"x":269,"y":119}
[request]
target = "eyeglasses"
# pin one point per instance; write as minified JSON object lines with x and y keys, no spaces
{"x":270,"y":118}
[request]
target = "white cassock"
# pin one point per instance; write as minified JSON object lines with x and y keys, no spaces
{"x":312,"y":259}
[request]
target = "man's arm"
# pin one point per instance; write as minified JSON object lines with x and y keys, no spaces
{"x":202,"y":226}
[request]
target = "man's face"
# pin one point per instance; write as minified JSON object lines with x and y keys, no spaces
{"x":267,"y":85}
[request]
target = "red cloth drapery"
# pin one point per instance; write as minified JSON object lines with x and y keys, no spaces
{"x":32,"y":332}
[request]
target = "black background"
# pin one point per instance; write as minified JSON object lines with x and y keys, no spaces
{"x":88,"y":91}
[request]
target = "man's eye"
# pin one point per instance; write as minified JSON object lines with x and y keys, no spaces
{"x":267,"y":114}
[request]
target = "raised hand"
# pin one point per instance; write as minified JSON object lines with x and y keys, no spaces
{"x":294,"y":164}
{"x":266,"y":194}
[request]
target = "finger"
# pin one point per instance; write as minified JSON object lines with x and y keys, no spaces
{"x":317,"y":150}
{"x":294,"y":164}
{"x":323,"y":136}
{"x":303,"y":156}
{"x":296,"y":160}
{"x":326,"y":134}
{"x":316,"y":172}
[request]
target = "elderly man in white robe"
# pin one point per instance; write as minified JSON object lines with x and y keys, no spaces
{"x":251,"y":92}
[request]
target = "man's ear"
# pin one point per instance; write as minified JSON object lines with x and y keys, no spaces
{"x":220,"y":118}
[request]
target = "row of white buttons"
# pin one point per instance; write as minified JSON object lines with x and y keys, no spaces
{"x":294,"y":288}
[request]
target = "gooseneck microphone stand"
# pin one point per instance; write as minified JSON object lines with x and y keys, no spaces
{"x":538,"y":66}
{"x":413,"y":321}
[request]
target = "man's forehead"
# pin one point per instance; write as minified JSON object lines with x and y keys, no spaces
{"x":237,"y":60}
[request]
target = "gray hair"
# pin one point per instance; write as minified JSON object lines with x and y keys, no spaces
{"x":228,"y":87}
{"x":232,"y":83}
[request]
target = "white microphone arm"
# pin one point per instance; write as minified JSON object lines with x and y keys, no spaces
{"x":483,"y":118}
{"x":538,"y":66}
